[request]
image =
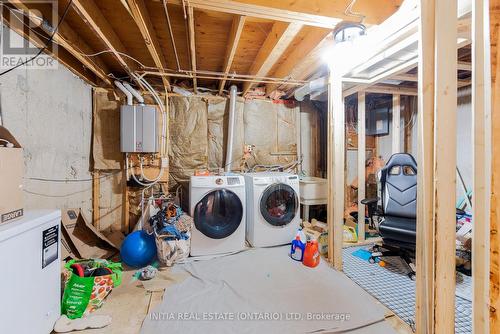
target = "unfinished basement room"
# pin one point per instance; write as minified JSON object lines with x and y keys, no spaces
{"x":250,"y":166}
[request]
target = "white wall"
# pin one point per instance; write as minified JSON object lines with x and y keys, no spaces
{"x":50,"y":114}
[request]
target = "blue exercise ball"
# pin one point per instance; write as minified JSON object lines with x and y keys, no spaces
{"x":138,"y":249}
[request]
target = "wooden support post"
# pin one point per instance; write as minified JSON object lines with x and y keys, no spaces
{"x":481,"y":130}
{"x":125,"y":204}
{"x":335,"y":174}
{"x":495,"y":175}
{"x":96,"y":199}
{"x":435,"y":308}
{"x":361,"y":164}
{"x":396,"y":123}
{"x":192,"y":46}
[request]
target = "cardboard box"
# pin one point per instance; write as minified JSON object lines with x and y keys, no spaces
{"x":11,"y":177}
{"x":81,"y":240}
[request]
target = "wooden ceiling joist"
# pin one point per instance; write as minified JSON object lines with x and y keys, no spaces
{"x":234,"y":38}
{"x":192,"y":46}
{"x":265,"y":11}
{"x":66,"y":37}
{"x":141,"y":17}
{"x":274,"y":46}
{"x":92,"y":15}
{"x":310,"y":41}
{"x":62,"y":56}
{"x":372,"y":12}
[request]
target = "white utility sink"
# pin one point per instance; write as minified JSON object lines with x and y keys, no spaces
{"x":313,"y":188}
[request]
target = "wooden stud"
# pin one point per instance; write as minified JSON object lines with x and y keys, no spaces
{"x":396,"y":123}
{"x":335,"y":173}
{"x":361,"y":164}
{"x":232,"y":46}
{"x":125,"y":204}
{"x":495,"y":175}
{"x":141,"y":17}
{"x":481,"y":134}
{"x":435,"y":307}
{"x":96,"y":199}
{"x":272,"y":49}
{"x":70,"y":40}
{"x":192,"y":46}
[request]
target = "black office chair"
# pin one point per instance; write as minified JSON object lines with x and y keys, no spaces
{"x":396,"y":210}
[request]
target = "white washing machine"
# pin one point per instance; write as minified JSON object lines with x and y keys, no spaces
{"x":217,"y":204}
{"x":273,"y":209}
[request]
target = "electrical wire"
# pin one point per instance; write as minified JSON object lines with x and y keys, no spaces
{"x":46,"y":45}
{"x":71,"y":180}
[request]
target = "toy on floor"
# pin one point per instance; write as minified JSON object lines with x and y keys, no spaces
{"x":138,"y":249}
{"x":369,"y":256}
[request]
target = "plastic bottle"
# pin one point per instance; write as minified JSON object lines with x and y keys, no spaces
{"x":301,"y":235}
{"x":297,"y":249}
{"x":311,"y":254}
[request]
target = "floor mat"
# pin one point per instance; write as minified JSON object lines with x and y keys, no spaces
{"x":264,"y":291}
{"x":392,"y":287}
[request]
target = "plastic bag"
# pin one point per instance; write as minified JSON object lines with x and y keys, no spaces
{"x":83,"y":295}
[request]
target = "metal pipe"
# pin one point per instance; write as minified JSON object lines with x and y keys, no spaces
{"x":320,"y":84}
{"x":125,"y":91}
{"x":230,"y":131}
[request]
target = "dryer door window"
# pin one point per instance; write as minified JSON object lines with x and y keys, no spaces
{"x":218,"y":214}
{"x":279,"y":204}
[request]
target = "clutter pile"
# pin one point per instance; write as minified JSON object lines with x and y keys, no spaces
{"x":172,"y":229}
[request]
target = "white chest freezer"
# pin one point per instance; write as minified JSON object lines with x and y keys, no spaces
{"x":30,"y":273}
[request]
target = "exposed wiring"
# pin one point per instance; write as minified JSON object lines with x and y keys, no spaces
{"x":46,"y":45}
{"x":70,"y":180}
{"x":113,"y":51}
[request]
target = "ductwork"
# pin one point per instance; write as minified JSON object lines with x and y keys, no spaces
{"x":124,"y":91}
{"x":230,"y":132}
{"x":319,"y":85}
{"x":134,"y":92}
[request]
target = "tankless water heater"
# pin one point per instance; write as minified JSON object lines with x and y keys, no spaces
{"x":139,"y":129}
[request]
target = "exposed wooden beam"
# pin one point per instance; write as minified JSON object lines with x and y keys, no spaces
{"x":141,"y":17}
{"x":92,"y":15}
{"x":374,"y":12}
{"x":66,"y":37}
{"x":234,"y":39}
{"x":272,"y":49}
{"x":263,"y":12}
{"x":192,"y":45}
{"x":435,"y":308}
{"x":361,"y":164}
{"x":96,"y":199}
{"x":481,"y":176}
{"x":464,"y":66}
{"x":309,"y":42}
{"x":61,"y":55}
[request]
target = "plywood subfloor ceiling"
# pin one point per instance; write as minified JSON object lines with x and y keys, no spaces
{"x":192,"y":43}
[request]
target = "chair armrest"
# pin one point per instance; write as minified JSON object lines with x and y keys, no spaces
{"x":369,"y":201}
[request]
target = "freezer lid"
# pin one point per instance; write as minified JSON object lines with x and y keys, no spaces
{"x":29,"y":221}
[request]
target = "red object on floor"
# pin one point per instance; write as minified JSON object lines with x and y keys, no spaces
{"x":311,"y":254}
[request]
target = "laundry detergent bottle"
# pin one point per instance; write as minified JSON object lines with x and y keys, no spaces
{"x":311,"y":254}
{"x":297,"y":249}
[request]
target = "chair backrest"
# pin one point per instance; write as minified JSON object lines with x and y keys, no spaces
{"x":398,"y":182}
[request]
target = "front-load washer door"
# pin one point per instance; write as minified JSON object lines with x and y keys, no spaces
{"x":279,"y":204}
{"x":218,"y":214}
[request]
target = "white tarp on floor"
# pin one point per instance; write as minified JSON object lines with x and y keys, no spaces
{"x":264,"y":291}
